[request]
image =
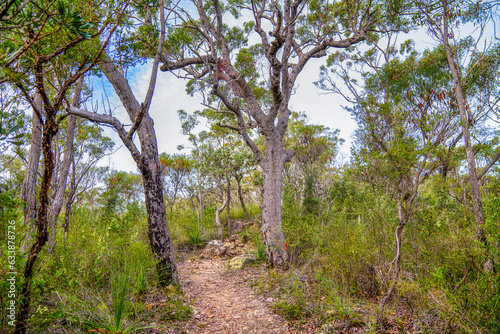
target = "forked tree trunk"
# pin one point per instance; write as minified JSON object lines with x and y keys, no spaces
{"x":60,"y":188}
{"x":29,"y":182}
{"x":149,"y":165}
{"x":272,"y":168}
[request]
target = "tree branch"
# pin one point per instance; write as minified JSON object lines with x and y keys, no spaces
{"x":229,"y":127}
{"x":489,"y":165}
{"x":137,"y":121}
{"x":114,"y":122}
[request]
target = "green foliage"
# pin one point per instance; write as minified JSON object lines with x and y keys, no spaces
{"x":112,"y":319}
{"x":195,"y":235}
{"x":100,"y":277}
{"x":294,"y":307}
{"x":260,"y":252}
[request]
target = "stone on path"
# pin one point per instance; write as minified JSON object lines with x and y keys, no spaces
{"x":241,"y":261}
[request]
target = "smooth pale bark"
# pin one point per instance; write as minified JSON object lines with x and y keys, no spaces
{"x":228,"y":206}
{"x":220,"y":229}
{"x":200,"y":200}
{"x":69,"y":201}
{"x":29,"y":182}
{"x":286,"y":58}
{"x":471,"y":161}
{"x":272,"y":168}
{"x":61,"y":179}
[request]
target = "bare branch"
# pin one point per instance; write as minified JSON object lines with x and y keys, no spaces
{"x":489,"y":165}
{"x":229,"y":127}
{"x":114,"y":122}
{"x":137,"y":121}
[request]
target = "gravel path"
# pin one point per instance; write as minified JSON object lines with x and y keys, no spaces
{"x":224,"y":303}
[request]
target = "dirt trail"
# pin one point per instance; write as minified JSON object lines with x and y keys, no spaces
{"x":224,"y":303}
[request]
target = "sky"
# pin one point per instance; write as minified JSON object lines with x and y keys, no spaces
{"x":170,"y":96}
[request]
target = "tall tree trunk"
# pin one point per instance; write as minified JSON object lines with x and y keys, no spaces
{"x":149,"y":165}
{"x":473,"y":179}
{"x":240,"y":196}
{"x":272,"y":168}
{"x":228,"y":206}
{"x":29,"y":182}
{"x":58,"y":197}
{"x":49,"y":131}
{"x":200,"y":200}
{"x":69,"y":200}
{"x":220,"y":229}
{"x":159,"y":235}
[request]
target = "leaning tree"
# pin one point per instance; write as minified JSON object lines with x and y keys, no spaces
{"x":146,"y":156}
{"x":249,"y":70}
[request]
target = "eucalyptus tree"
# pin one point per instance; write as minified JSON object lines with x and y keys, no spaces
{"x":62,"y":169}
{"x":225,"y":158}
{"x":45,"y":48}
{"x":215,"y":153}
{"x":152,"y":23}
{"x":236,"y":159}
{"x":254,"y":83}
{"x":89,"y":146}
{"x":241,"y":165}
{"x":443,"y":19}
{"x":405,"y":115}
{"x":316,"y":147}
{"x":176,"y":171}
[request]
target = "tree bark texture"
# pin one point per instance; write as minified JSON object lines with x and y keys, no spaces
{"x":29,"y":182}
{"x":159,"y":235}
{"x":471,"y":162}
{"x":149,"y":164}
{"x":272,"y":230}
{"x":240,"y":196}
{"x":228,"y":206}
{"x":49,"y":131}
{"x":61,"y":180}
{"x":286,"y":58}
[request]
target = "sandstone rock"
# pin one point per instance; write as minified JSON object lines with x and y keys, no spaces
{"x":230,"y":245}
{"x":214,"y":248}
{"x":241,"y":261}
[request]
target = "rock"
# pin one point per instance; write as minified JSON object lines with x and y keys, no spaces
{"x":241,"y":261}
{"x":214,"y":248}
{"x":230,"y":245}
